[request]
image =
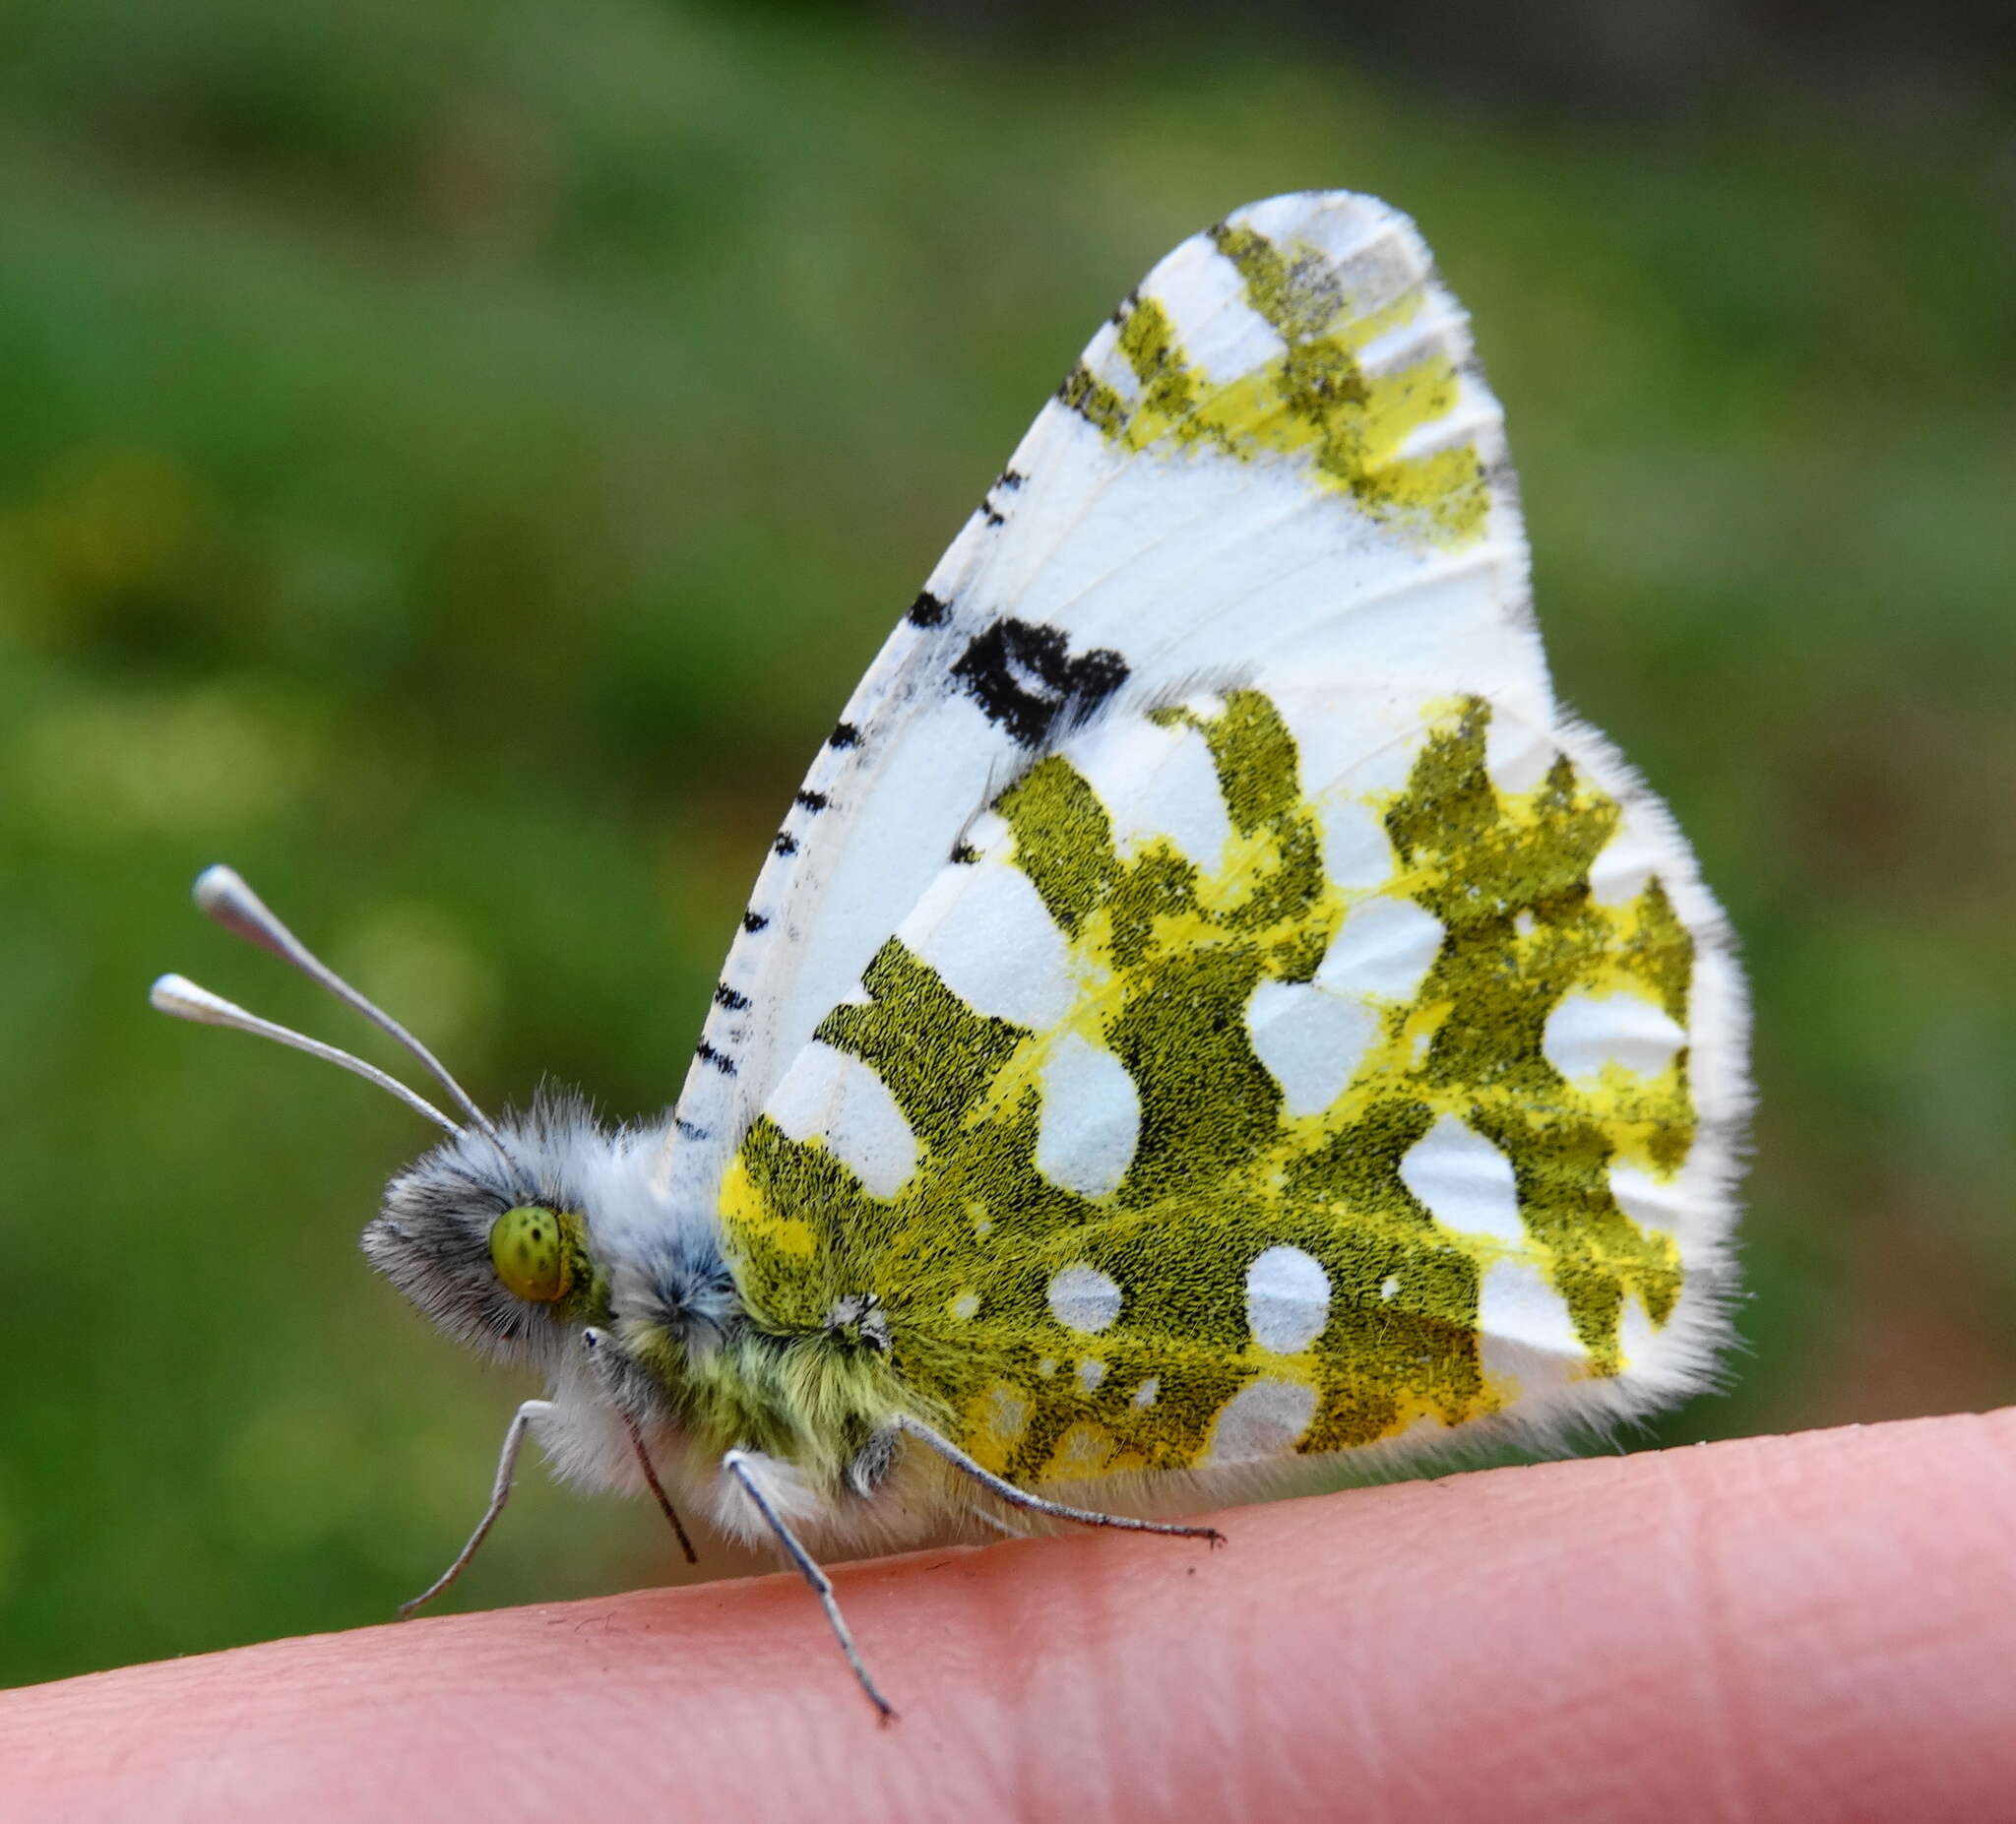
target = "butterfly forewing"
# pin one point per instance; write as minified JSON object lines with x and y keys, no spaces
{"x":1279,"y":454}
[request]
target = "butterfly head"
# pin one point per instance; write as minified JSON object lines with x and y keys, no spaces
{"x":489,"y":1235}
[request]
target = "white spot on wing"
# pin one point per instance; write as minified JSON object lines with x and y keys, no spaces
{"x":1144,"y":1395}
{"x":1204,"y":298}
{"x":1090,"y":1117}
{"x":1586,"y":1032}
{"x":987,"y":933}
{"x":1157,"y":781}
{"x":1636,"y":1338}
{"x":1309,"y":1039}
{"x":1083,"y":1451}
{"x":1091,"y":1371}
{"x":1517,"y":1307}
{"x":1647,"y":1199}
{"x":1384,"y":949}
{"x":1084,"y":1298}
{"x":1186,"y":803}
{"x":1517,"y":755}
{"x":1288,"y":1299}
{"x":830,"y":1096}
{"x":964,"y":1305}
{"x":1105,"y":358}
{"x":1624,"y":867}
{"x":1464,"y":1181}
{"x":1264,"y":1418}
{"x":1356,"y":851}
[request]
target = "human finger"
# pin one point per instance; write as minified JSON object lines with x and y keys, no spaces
{"x":1821,"y":1625}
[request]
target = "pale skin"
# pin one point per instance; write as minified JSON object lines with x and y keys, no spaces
{"x":1820,"y":1626}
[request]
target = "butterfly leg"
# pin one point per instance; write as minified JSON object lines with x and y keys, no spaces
{"x":1035,"y":1503}
{"x":737,"y":1464}
{"x":658,"y":1489}
{"x":522,"y":1420}
{"x":596,"y":1343}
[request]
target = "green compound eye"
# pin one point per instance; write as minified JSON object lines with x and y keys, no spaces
{"x":531,"y":1254}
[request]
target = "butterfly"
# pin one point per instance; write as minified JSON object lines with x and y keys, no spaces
{"x":1209,"y":1016}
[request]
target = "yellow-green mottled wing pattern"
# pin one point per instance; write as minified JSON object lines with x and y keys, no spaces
{"x":1274,"y":1072}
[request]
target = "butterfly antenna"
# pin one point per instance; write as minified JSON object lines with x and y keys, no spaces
{"x":225,"y":898}
{"x":179,"y":995}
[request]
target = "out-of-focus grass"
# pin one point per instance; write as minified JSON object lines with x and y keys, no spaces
{"x":453,"y":464}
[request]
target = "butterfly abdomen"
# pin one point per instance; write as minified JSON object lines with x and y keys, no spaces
{"x":811,"y":1398}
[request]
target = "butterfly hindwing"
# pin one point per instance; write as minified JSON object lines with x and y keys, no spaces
{"x":1278,"y":1071}
{"x":1279,"y":453}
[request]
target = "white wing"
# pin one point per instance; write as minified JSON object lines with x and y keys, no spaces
{"x":1278,"y":458}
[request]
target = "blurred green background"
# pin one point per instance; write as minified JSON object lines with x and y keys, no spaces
{"x":455,"y":458}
